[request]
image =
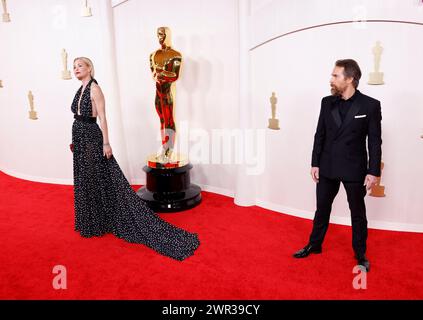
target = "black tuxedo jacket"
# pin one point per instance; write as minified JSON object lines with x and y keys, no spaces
{"x":339,"y":148}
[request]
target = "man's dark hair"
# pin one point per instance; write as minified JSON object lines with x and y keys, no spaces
{"x":351,"y":70}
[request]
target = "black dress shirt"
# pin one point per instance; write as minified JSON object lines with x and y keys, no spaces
{"x":345,"y":105}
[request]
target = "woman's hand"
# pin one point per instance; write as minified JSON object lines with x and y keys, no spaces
{"x":107,"y":150}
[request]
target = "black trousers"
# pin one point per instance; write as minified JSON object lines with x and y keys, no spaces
{"x":326,"y":190}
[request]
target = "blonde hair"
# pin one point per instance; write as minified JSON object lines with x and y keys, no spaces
{"x":88,"y":62}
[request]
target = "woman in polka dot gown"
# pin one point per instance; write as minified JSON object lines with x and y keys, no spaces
{"x":104,"y":199}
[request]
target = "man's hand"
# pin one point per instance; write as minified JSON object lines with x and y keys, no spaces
{"x":370,"y":181}
{"x":315,"y":174}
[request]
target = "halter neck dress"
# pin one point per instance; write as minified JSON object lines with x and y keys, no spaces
{"x":105,"y":201}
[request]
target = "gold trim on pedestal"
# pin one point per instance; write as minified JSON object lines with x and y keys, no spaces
{"x":162,"y":162}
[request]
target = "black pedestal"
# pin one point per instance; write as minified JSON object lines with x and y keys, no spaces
{"x":170,"y":190}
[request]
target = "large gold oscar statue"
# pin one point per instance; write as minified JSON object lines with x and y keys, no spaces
{"x":168,"y":186}
{"x":165,"y":64}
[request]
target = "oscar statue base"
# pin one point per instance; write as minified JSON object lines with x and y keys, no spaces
{"x":376,"y":78}
{"x":66,"y":75}
{"x":274,"y":124}
{"x":86,"y":12}
{"x":170,"y":190}
{"x":33,"y":115}
{"x":6,"y":17}
{"x":159,"y":161}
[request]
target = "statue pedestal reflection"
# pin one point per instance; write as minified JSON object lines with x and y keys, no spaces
{"x":170,"y":189}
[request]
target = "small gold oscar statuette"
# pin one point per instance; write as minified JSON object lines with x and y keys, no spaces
{"x":6,"y":16}
{"x":1,"y":83}
{"x":378,"y":190}
{"x":32,"y":113}
{"x":273,"y":122}
{"x":376,"y":77}
{"x":66,"y":75}
{"x":86,"y":10}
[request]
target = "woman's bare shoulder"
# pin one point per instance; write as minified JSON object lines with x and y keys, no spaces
{"x":95,"y":89}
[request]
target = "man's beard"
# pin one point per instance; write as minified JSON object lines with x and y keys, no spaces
{"x":336,"y":91}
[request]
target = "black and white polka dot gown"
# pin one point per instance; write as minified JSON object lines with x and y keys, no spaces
{"x":104,"y":200}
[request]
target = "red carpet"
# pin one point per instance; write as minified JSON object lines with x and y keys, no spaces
{"x":245,"y":253}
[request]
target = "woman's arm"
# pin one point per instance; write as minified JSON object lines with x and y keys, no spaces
{"x":98,"y":99}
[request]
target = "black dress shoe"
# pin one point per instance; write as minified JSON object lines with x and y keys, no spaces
{"x":304,"y":252}
{"x":362,"y":261}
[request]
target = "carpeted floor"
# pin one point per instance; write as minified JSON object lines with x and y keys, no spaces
{"x":245,"y":253}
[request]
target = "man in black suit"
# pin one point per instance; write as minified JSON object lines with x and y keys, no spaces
{"x":347,"y":118}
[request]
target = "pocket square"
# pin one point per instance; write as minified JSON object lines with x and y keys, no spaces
{"x":361,"y":116}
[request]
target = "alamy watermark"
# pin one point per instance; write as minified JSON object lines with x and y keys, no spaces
{"x":221,"y":146}
{"x":360,"y":280}
{"x":60,"y":279}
